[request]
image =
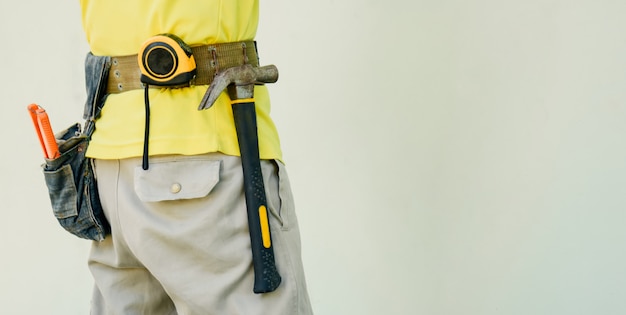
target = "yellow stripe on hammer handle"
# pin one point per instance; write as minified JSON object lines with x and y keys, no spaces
{"x":265,"y":227}
{"x":243,"y":100}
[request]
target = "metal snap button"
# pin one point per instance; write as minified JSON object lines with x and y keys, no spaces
{"x":175,"y":188}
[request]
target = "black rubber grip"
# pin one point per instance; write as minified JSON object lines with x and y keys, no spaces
{"x":266,"y":276}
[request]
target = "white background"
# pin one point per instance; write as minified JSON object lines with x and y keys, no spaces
{"x":447,"y":157}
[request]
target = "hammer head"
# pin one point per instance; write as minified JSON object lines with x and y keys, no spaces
{"x":240,"y":82}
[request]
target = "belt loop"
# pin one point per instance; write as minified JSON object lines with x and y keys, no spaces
{"x":245,"y":53}
{"x":256,"y":53}
{"x":96,"y":80}
{"x":214,"y":62}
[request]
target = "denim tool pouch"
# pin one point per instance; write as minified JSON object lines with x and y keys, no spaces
{"x":73,"y":189}
{"x":70,"y":178}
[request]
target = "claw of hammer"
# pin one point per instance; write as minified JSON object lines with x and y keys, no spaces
{"x":240,"y":81}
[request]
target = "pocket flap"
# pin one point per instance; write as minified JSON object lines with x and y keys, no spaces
{"x":176,"y":179}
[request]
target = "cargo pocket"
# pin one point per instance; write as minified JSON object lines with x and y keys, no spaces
{"x":176,"y":179}
{"x":283,"y":205}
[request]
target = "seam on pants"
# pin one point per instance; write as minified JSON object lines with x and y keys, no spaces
{"x":278,"y":232}
{"x":117,"y":199}
{"x":270,"y":189}
{"x":292,"y":271}
{"x":283,"y":185}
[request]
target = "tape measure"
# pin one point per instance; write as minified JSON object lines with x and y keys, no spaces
{"x":165,"y":60}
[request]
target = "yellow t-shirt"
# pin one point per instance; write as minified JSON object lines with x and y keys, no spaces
{"x":120,"y":27}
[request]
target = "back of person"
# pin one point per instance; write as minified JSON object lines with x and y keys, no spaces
{"x":180,"y":242}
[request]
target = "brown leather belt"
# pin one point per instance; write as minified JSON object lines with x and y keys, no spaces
{"x":124,"y":74}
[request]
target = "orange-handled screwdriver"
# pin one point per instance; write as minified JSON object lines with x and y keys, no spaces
{"x":44,"y":131}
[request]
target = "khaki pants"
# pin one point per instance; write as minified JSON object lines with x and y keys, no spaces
{"x":180,"y":242}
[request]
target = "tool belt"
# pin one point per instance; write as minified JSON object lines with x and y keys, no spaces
{"x":124,"y":74}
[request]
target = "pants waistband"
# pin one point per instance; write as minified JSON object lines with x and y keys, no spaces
{"x":124,"y":74}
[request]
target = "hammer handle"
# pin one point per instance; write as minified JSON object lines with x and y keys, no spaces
{"x":266,"y":277}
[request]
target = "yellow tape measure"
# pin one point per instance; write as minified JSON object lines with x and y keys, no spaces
{"x":165,"y":60}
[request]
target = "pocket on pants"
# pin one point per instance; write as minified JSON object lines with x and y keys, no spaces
{"x":285,"y":205}
{"x":176,"y":179}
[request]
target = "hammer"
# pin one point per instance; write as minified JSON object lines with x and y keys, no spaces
{"x":240,"y":83}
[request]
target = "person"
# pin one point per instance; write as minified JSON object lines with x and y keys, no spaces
{"x":179,"y":241}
